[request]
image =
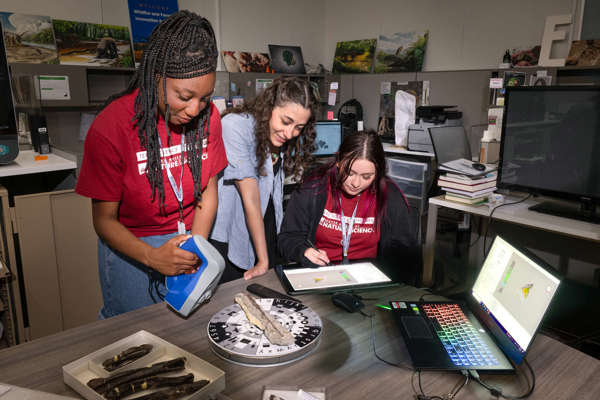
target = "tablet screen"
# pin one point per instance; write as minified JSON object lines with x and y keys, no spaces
{"x":363,"y":273}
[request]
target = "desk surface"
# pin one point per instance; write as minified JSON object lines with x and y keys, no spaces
{"x":343,"y":363}
{"x":25,"y":164}
{"x":520,"y":214}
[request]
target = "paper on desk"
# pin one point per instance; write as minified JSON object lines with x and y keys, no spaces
{"x":464,"y":166}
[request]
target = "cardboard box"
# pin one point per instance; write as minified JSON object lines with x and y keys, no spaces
{"x":490,"y":152}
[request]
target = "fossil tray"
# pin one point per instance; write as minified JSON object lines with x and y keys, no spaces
{"x":77,"y":373}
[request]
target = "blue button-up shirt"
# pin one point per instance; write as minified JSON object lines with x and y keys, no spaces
{"x":230,"y":223}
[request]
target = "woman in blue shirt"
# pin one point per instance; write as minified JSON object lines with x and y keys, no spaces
{"x":266,"y":139}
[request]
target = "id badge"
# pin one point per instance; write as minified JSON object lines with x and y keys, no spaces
{"x":181,"y":227}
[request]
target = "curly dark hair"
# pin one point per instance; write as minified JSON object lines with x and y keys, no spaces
{"x":182,"y":46}
{"x":297,"y":151}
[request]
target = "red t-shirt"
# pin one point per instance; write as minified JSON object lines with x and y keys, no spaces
{"x":114,"y":163}
{"x":364,"y":238}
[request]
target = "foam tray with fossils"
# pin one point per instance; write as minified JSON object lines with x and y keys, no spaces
{"x":79,"y":373}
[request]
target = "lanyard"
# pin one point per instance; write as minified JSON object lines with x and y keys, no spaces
{"x":177,"y":190}
{"x":347,"y":234}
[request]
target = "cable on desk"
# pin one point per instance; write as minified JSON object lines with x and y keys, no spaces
{"x":450,"y":396}
{"x":498,"y":392}
{"x":374,"y":348}
{"x":490,"y":220}
{"x":428,"y":294}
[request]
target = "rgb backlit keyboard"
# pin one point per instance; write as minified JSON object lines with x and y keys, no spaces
{"x":462,"y":341}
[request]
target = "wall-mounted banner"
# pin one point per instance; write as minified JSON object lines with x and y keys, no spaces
{"x":144,"y":16}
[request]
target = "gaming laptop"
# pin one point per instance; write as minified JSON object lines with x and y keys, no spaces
{"x":497,"y":325}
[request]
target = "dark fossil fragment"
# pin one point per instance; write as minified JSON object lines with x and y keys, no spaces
{"x":126,"y":356}
{"x":174,"y":392}
{"x":152,"y":382}
{"x":105,"y":385}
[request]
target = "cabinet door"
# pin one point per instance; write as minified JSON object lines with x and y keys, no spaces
{"x":76,"y":258}
{"x":38,"y":264}
{"x":58,"y":249}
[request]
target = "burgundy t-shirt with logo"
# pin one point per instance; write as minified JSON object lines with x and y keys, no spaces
{"x":114,"y":164}
{"x":365,"y":236}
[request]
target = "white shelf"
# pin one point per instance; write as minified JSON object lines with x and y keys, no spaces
{"x":25,"y":163}
{"x":520,"y":214}
{"x":392,"y":148}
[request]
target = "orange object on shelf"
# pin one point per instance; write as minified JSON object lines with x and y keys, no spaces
{"x":40,"y":158}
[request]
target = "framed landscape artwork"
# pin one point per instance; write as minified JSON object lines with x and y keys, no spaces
{"x":401,"y":52}
{"x":28,"y":38}
{"x":82,"y":43}
{"x":355,"y":56}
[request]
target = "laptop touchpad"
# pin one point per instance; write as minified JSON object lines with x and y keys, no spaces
{"x":416,"y":328}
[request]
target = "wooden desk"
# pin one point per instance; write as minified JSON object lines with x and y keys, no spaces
{"x":343,"y":362}
{"x":515,"y":213}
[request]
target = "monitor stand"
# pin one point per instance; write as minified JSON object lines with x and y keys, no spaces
{"x":583,"y":211}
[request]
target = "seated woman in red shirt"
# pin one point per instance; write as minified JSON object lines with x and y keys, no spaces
{"x":349,"y":210}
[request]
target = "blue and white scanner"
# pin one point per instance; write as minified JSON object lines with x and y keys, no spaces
{"x":187,"y":291}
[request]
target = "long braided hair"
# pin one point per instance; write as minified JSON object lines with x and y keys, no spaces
{"x":297,"y":151}
{"x":182,"y":46}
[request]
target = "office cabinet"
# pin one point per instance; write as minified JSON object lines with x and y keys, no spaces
{"x":58,"y":248}
{"x":412,"y":178}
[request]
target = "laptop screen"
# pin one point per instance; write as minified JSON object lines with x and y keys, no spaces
{"x":449,"y":143}
{"x":514,"y":291}
{"x":328,"y":139}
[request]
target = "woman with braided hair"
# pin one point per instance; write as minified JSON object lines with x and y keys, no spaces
{"x":266,"y":139}
{"x":150,"y":163}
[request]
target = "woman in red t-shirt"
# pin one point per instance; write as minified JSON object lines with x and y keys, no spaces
{"x":349,"y":209}
{"x":150,"y":165}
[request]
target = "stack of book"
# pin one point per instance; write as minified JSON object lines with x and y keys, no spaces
{"x":468,"y":189}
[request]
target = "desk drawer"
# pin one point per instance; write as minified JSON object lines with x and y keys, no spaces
{"x":406,"y":169}
{"x":410,"y":187}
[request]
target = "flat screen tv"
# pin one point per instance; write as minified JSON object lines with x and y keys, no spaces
{"x":550,"y":145}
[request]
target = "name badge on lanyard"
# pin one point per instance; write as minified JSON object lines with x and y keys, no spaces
{"x":178,"y":191}
{"x":346,"y":234}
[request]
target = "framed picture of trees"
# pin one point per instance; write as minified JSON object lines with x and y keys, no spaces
{"x":355,"y":56}
{"x":81,"y":43}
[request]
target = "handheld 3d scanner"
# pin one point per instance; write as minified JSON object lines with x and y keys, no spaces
{"x":187,"y":291}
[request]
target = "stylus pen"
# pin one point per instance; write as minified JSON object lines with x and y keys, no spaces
{"x":383,"y":306}
{"x":308,"y":242}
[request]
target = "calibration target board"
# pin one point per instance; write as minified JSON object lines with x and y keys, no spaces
{"x":234,"y":338}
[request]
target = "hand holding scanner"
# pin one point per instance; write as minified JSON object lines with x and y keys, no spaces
{"x":187,"y":291}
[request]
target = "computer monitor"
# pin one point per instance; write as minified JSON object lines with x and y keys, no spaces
{"x":550,"y":145}
{"x":449,"y":143}
{"x":328,"y":139}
